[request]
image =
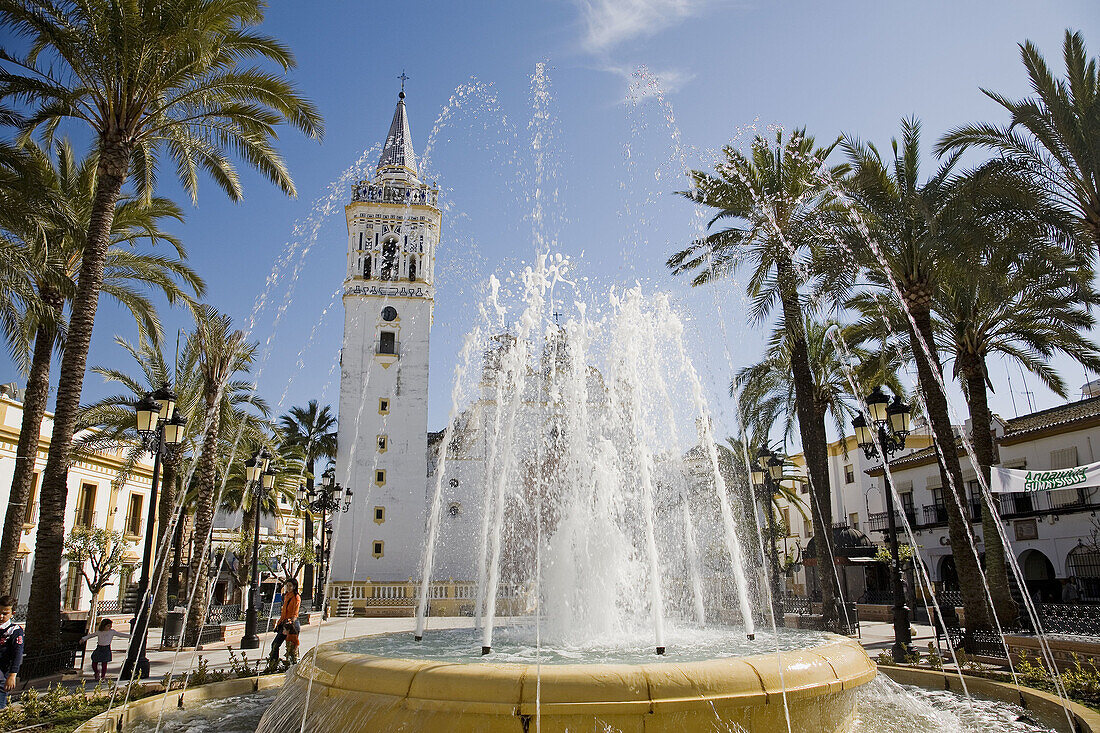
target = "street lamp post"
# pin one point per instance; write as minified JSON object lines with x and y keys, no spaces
{"x":161,"y":429}
{"x":325,"y":499}
{"x":767,"y":470}
{"x":890,"y":423}
{"x":260,"y":476}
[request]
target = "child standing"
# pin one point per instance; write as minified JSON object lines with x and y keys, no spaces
{"x":11,"y":648}
{"x":101,"y":657}
{"x":288,"y":627}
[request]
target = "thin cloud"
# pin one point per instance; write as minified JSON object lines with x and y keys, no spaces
{"x":608,"y":23}
{"x":643,"y":83}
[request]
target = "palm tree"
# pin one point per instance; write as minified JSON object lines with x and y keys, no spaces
{"x":53,"y":250}
{"x":218,"y":353}
{"x":765,"y":390}
{"x":152,"y":80}
{"x":1052,"y":136}
{"x":312,"y":429}
{"x":776,"y":201}
{"x":238,"y":496}
{"x":111,"y":421}
{"x":1028,"y":310}
{"x":918,"y":234}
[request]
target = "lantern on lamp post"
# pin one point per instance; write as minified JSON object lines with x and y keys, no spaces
{"x":884,"y":436}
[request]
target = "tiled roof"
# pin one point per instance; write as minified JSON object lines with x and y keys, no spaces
{"x":398,"y":150}
{"x":1061,"y":415}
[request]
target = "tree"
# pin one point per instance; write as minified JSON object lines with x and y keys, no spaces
{"x":238,"y":495}
{"x":1051,"y":136}
{"x":53,"y":244}
{"x":777,"y":201}
{"x":1026,"y":301}
{"x":152,"y":80}
{"x":218,"y":352}
{"x":290,"y":557}
{"x":112,"y":426}
{"x":918,"y":234}
{"x":101,"y":554}
{"x":313,"y":431}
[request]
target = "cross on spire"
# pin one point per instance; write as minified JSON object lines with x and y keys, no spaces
{"x":403,"y":79}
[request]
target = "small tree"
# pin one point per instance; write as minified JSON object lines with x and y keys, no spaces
{"x":101,"y":554}
{"x":288,"y":557}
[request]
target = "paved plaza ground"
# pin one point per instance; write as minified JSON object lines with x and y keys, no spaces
{"x":874,"y":635}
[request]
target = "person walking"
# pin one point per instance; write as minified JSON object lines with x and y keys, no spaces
{"x":288,"y":627}
{"x":102,"y":653}
{"x":11,"y":648}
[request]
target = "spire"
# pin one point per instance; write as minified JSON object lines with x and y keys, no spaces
{"x":398,"y":150}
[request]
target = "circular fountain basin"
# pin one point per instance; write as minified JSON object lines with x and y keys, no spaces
{"x":815,"y":685}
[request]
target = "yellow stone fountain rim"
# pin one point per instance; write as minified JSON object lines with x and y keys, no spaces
{"x":592,"y":689}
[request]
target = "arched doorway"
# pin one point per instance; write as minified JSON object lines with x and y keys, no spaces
{"x":1039,"y":576}
{"x":949,"y":574}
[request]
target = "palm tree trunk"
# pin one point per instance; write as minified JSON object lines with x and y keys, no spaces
{"x":307,"y":577}
{"x":958,"y":526}
{"x":44,"y":612}
{"x":814,"y":442}
{"x":204,"y":518}
{"x":165,"y":511}
{"x":996,"y":570}
{"x":26,"y":453}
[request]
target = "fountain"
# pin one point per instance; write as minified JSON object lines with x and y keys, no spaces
{"x":617,"y":516}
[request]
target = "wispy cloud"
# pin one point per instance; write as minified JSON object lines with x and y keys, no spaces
{"x":643,"y":83}
{"x":608,"y":23}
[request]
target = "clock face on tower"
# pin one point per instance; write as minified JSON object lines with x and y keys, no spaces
{"x":389,"y":313}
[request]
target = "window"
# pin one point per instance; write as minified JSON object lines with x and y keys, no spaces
{"x":387,"y":342}
{"x":1060,"y":459}
{"x":72,"y":586}
{"x":31,"y":510}
{"x":785,"y":518}
{"x":808,"y":527}
{"x":133,"y":515}
{"x":366,"y":267}
{"x":383,"y":443}
{"x":853,"y":520}
{"x":85,"y":506}
{"x":849,"y":474}
{"x":389,"y":313}
{"x":380,"y":477}
{"x":378,"y":546}
{"x":389,"y":269}
{"x":383,"y":406}
{"x":412,"y":268}
{"x":907,"y":502}
{"x":379,"y":514}
{"x":455,"y":509}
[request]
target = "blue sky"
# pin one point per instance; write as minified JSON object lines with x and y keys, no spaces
{"x":612,"y":161}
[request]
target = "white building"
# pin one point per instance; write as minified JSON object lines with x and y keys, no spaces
{"x":97,"y":498}
{"x":393,"y":228}
{"x":1053,"y":535}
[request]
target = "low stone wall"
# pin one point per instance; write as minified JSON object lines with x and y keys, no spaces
{"x":1063,"y":650}
{"x":118,"y":718}
{"x":1047,"y":708}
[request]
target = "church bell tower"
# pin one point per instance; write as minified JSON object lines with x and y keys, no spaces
{"x":393,"y":228}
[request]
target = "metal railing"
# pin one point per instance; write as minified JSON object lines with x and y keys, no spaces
{"x":880,"y":521}
{"x":1043,"y":502}
{"x":108,"y":607}
{"x":218,"y":615}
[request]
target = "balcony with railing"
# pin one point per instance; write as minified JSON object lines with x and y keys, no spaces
{"x":880,"y":521}
{"x":1060,"y":501}
{"x":935,"y":515}
{"x":396,"y":194}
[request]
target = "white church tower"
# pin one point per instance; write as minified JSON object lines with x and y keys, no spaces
{"x":393,"y":228}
